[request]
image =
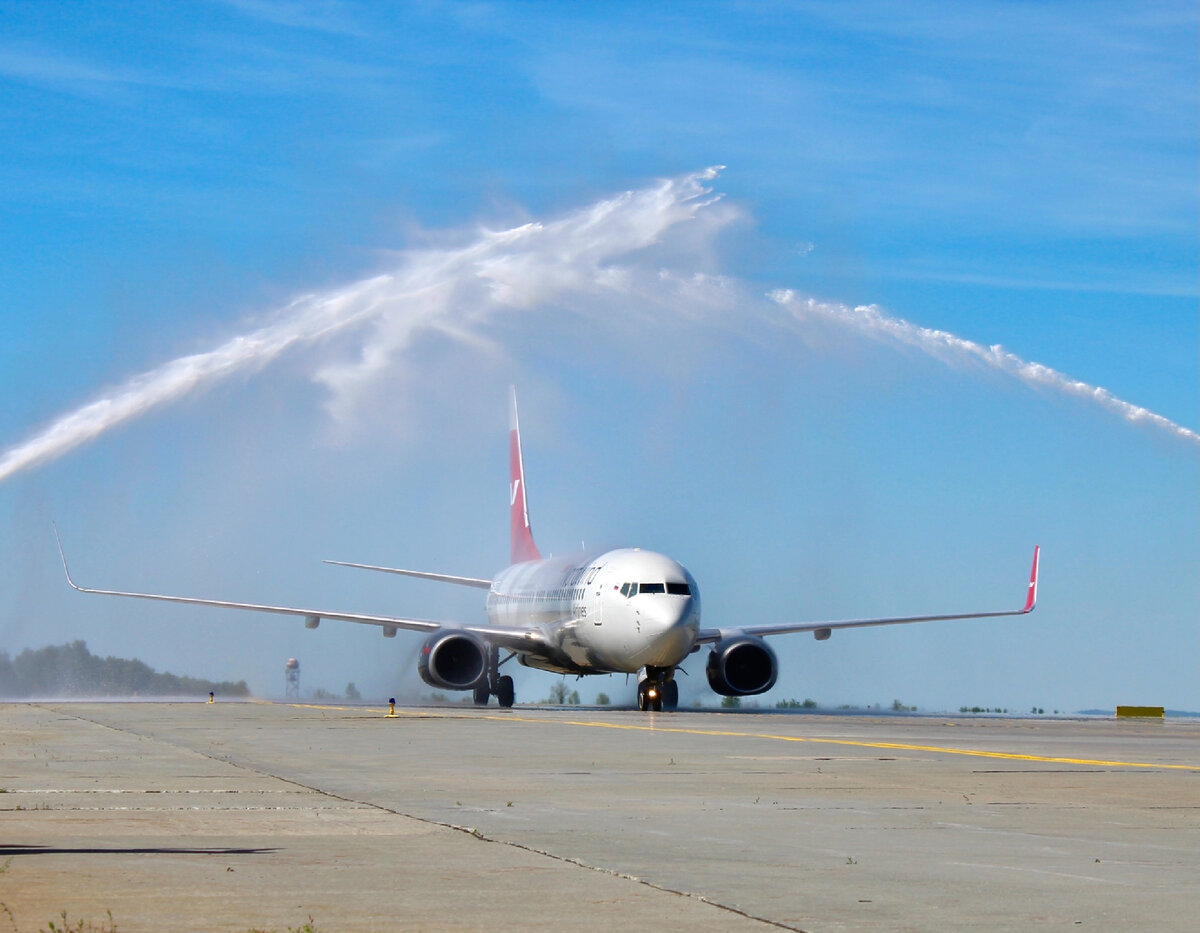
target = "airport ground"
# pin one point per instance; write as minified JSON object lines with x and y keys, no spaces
{"x":240,"y":816}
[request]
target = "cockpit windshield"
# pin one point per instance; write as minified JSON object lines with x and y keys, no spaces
{"x":674,"y":589}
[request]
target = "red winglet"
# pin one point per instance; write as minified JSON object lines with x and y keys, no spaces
{"x":522,"y":548}
{"x":1031,"y":599}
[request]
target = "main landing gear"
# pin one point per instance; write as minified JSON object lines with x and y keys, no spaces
{"x":493,"y":684}
{"x":658,"y":691}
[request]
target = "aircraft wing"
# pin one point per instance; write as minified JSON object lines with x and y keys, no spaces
{"x":511,"y":638}
{"x":822,"y":630}
{"x":424,"y":575}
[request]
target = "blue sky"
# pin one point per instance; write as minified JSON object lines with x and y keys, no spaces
{"x":1013,"y":174}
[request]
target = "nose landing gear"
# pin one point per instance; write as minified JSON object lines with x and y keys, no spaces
{"x":658,"y":691}
{"x":649,"y":697}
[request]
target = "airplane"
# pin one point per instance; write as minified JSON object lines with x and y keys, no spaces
{"x":623,"y":611}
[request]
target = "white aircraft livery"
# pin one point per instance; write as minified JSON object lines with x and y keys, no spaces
{"x":626,"y":611}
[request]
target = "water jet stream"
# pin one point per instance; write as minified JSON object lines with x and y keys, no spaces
{"x":598,"y":250}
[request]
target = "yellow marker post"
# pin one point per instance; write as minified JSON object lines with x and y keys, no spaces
{"x":1141,"y":712}
{"x":211,"y":698}
{"x":391,"y":713}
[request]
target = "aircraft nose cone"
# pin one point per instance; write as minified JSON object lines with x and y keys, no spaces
{"x":673,"y":624}
{"x":668,"y":613}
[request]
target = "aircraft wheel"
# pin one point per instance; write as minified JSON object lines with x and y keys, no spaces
{"x":646,"y":702}
{"x":505,"y":694}
{"x":481,"y":694}
{"x":670,"y":695}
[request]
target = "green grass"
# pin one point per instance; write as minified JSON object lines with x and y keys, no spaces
{"x":80,"y":926}
{"x":307,"y":927}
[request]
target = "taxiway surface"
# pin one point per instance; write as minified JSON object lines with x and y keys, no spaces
{"x":239,"y":816}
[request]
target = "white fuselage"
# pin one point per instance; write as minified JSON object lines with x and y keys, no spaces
{"x":614,"y":612}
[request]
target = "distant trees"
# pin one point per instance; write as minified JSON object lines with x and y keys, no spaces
{"x":560,"y":696}
{"x":71,"y":670}
{"x":352,"y":692}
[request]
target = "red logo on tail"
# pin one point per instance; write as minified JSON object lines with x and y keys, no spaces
{"x":521,"y":548}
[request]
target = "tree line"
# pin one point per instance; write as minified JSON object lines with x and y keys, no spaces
{"x":73,"y":671}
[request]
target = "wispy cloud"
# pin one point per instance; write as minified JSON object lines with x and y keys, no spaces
{"x":52,"y":69}
{"x":327,"y":16}
{"x":1086,"y":121}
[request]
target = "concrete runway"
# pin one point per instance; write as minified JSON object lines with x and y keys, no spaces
{"x":239,"y":816}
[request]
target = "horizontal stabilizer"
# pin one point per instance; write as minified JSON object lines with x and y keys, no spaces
{"x":421,"y":574}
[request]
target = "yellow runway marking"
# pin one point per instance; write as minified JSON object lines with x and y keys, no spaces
{"x":888,"y":746}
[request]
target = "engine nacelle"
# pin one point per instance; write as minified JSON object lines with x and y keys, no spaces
{"x":452,"y":660}
{"x":742,"y":666}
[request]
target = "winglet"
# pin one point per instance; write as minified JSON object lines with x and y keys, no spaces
{"x":62,"y":554}
{"x":520,"y":534}
{"x":1031,"y":599}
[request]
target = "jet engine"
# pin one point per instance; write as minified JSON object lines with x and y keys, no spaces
{"x":452,"y":660}
{"x":741,"y":666}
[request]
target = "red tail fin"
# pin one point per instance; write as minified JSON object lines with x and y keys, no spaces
{"x":522,"y":547}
